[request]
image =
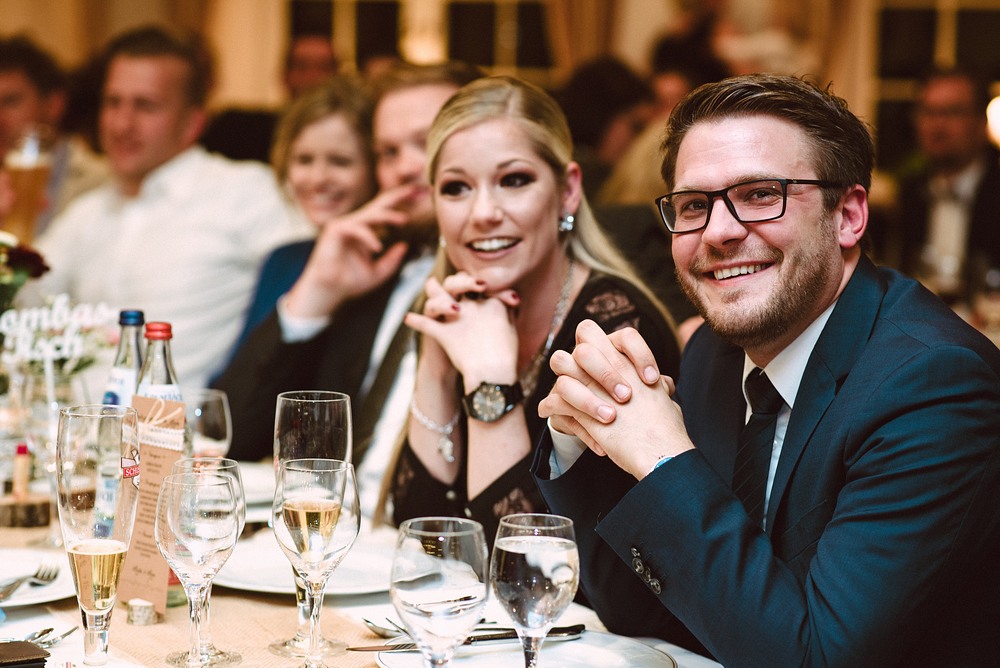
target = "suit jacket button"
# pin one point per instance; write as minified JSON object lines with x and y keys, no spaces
{"x":639,"y":567}
{"x":654,"y":584}
{"x":636,"y":553}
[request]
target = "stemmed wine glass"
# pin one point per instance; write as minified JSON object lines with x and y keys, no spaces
{"x":439,"y":582}
{"x":230,"y":468}
{"x":535,"y":571}
{"x":195,"y":529}
{"x":207,"y":413}
{"x":97,"y":478}
{"x":38,"y":395}
{"x":316,"y":517}
{"x":310,"y":423}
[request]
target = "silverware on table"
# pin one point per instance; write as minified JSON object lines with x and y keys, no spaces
{"x":557,"y":633}
{"x":51,"y":640}
{"x":46,"y":574}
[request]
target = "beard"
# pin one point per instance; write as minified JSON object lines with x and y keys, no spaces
{"x":807,"y":275}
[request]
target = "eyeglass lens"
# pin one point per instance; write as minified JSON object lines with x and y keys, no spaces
{"x":750,"y":202}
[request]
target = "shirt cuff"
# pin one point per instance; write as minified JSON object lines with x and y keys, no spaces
{"x":295,"y":329}
{"x":566,"y":449}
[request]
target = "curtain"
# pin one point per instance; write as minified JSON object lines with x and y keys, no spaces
{"x":578,"y":31}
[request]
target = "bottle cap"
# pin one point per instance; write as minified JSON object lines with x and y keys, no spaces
{"x":22,"y":449}
{"x":158,"y":331}
{"x":130,"y":318}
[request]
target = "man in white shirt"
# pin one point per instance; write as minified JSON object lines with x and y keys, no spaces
{"x":828,"y":497}
{"x":179,"y":233}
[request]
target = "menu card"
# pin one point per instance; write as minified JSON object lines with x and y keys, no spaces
{"x":161,"y":443}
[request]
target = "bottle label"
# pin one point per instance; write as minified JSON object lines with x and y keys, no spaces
{"x":169,"y":392}
{"x":121,"y":386}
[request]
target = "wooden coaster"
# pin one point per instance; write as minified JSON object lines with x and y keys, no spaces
{"x":31,"y":512}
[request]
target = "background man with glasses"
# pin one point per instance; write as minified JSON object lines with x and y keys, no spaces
{"x":829,"y":495}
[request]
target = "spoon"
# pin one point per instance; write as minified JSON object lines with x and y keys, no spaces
{"x":35,"y":635}
{"x":45,"y":643}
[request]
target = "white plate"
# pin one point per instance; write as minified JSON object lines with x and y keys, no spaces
{"x":17,"y":562}
{"x":258,"y":564}
{"x":594,"y":648}
{"x":258,"y":483}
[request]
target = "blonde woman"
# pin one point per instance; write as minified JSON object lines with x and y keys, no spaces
{"x":521,"y":263}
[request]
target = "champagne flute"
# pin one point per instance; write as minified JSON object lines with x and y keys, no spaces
{"x":207,"y":413}
{"x":230,"y":468}
{"x":310,"y":423}
{"x":97,"y":477}
{"x":535,"y":571}
{"x":316,"y":516}
{"x":195,"y":529}
{"x":439,"y":582}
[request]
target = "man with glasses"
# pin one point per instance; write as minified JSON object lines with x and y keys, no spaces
{"x":830,"y":493}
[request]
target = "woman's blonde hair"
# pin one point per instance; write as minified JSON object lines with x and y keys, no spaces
{"x":341,"y":95}
{"x":544,"y":124}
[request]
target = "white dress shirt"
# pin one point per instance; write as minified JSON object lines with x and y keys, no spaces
{"x":187,"y":250}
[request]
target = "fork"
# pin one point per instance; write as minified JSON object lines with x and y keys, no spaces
{"x":46,"y":574}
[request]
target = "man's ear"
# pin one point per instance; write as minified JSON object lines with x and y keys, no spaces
{"x":852,"y":215}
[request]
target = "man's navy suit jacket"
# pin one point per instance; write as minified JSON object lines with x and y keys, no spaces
{"x":883,"y":527}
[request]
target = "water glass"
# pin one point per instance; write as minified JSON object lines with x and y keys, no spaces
{"x":230,"y":468}
{"x":535,"y":571}
{"x":207,"y":414}
{"x":439,"y":582}
{"x":97,"y":478}
{"x":316,"y":517}
{"x":195,"y":529}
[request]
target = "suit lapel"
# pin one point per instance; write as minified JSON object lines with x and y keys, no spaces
{"x":843,"y":339}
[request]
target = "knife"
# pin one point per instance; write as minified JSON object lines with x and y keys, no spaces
{"x":557,"y":633}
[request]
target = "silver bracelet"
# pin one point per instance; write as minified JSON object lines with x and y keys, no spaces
{"x":445,"y":445}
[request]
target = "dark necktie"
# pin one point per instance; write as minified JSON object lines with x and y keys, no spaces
{"x":373,"y":402}
{"x":756,"y":440}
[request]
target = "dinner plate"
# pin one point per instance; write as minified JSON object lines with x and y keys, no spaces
{"x":258,"y":564}
{"x":594,"y":648}
{"x":258,"y":483}
{"x":17,"y":562}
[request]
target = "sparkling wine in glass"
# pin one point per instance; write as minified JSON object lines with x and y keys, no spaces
{"x":310,"y":423}
{"x":97,"y":477}
{"x":316,"y":517}
{"x":439,"y":582}
{"x":195,"y":529}
{"x":535,"y":571}
{"x":207,"y":413}
{"x":231,"y":468}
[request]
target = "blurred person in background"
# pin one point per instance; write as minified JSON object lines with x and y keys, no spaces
{"x":247,"y":134}
{"x":948,"y":223}
{"x":606,"y":105}
{"x":33,"y":92}
{"x":176,"y":232}
{"x":521,"y":263}
{"x":322,"y":157}
{"x":339,"y":327}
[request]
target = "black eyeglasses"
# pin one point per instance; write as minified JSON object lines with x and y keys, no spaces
{"x":749,"y":202}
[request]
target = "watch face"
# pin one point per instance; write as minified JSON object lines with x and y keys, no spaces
{"x":489,"y":403}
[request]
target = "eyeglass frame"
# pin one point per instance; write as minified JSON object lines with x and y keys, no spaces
{"x":723,"y":194}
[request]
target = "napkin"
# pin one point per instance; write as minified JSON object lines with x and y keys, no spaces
{"x":22,"y":654}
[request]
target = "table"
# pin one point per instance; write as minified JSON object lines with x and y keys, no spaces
{"x":244,"y":622}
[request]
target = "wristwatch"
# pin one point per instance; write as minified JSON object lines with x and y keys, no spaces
{"x":491,"y":401}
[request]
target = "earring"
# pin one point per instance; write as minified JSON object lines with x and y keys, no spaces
{"x":566,"y":222}
{"x":441,"y":242}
